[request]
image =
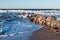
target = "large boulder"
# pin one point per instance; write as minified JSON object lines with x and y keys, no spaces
{"x":58,"y":19}
{"x":39,"y":19}
{"x":31,"y":19}
{"x":36,"y":17}
{"x":54,"y":29}
{"x":49,"y":20}
{"x":54,"y":26}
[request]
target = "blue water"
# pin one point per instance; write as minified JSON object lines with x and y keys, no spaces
{"x":16,"y":28}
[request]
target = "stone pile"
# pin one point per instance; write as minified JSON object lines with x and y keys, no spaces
{"x":51,"y":22}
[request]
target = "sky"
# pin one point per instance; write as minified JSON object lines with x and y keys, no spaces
{"x":40,"y":4}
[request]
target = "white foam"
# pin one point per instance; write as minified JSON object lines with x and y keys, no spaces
{"x":0,"y":30}
{"x":12,"y":34}
{"x":26,"y":31}
{"x":20,"y":32}
{"x":3,"y":35}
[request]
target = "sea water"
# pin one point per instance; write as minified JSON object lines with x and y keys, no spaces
{"x":13,"y":27}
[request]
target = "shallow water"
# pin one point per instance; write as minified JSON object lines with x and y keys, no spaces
{"x":13,"y":27}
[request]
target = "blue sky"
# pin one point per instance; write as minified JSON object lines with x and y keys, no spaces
{"x":30,"y":4}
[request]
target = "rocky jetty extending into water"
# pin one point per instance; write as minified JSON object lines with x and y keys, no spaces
{"x":51,"y":22}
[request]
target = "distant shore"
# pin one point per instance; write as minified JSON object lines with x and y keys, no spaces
{"x":27,"y":9}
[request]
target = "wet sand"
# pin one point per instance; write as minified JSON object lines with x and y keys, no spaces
{"x":44,"y":34}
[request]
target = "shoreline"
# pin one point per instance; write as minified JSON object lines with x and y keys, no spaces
{"x":44,"y":34}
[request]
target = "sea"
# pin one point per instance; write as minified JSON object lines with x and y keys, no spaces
{"x":15,"y":26}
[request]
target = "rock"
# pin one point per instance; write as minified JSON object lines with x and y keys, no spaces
{"x":54,"y":30}
{"x":49,"y":20}
{"x":23,"y":13}
{"x":37,"y":17}
{"x":55,"y":25}
{"x":41,"y":20}
{"x":58,"y":19}
{"x":31,"y":19}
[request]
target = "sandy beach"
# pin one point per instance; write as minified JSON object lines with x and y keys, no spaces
{"x":44,"y":34}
